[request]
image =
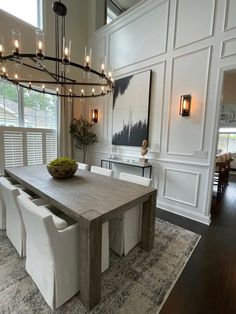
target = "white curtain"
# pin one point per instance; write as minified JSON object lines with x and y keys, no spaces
{"x":65,"y":115}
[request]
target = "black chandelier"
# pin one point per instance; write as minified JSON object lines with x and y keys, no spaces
{"x":44,"y":71}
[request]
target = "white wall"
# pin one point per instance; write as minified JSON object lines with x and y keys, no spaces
{"x":187,"y":44}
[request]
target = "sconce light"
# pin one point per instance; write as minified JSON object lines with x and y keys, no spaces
{"x":184,"y":107}
{"x":95,"y":115}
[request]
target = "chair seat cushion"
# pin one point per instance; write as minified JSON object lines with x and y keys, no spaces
{"x":59,"y":223}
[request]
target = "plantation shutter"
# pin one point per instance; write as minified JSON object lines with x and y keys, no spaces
{"x":51,"y":146}
{"x":13,"y":148}
{"x":34,"y":148}
{"x":26,"y":146}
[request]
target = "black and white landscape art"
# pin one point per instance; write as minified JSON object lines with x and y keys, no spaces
{"x":131,"y":109}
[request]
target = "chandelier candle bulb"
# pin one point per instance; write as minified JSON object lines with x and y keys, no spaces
{"x":103,"y":68}
{"x":43,"y":88}
{"x":30,"y":85}
{"x":57,"y":91}
{"x":87,"y":59}
{"x":93,"y":92}
{"x":82,"y":93}
{"x":39,"y":37}
{"x":66,"y":51}
{"x":1,"y":48}
{"x":102,"y":90}
{"x":16,"y":77}
{"x":16,"y":37}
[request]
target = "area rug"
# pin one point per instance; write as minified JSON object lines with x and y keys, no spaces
{"x":137,"y":283}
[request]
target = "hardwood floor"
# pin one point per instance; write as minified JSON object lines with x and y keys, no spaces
{"x":208,"y":283}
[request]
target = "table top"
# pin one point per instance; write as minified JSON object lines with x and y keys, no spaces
{"x":82,"y":193}
{"x":130,"y":162}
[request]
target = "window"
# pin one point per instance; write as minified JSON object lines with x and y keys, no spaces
{"x":113,"y":10}
{"x":110,"y":15}
{"x":39,"y":110}
{"x":28,"y":126}
{"x":36,"y":110}
{"x":29,"y":11}
{"x":227,"y":140}
{"x":9,"y":111}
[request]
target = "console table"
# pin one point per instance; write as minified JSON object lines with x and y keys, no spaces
{"x":137,"y":164}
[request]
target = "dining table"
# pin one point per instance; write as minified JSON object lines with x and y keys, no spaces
{"x":91,"y":199}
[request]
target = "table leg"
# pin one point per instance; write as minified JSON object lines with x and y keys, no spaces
{"x":90,"y":258}
{"x":150,"y":173}
{"x":148,"y":223}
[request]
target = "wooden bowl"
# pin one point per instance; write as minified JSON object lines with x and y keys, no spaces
{"x":62,"y":172}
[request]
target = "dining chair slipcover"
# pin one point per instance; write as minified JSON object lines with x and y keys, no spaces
{"x":14,"y":225}
{"x":102,"y":171}
{"x":52,"y":255}
{"x":82,"y":166}
{"x":2,"y":203}
{"x":125,"y":230}
{"x":2,"y":209}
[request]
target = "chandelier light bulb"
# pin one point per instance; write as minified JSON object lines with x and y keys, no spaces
{"x":39,"y":37}
{"x":1,"y":48}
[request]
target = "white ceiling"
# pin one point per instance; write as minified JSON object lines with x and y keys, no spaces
{"x":126,"y":4}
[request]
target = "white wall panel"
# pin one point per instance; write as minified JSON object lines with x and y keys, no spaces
{"x":228,"y":48}
{"x":134,"y":41}
{"x":194,"y":21}
{"x":181,"y":186}
{"x":230,"y":20}
{"x":181,"y":41}
{"x":189,"y":76}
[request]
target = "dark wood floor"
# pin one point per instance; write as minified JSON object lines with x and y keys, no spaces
{"x":208,"y":282}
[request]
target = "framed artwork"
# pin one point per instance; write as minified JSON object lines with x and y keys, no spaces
{"x":131,"y":109}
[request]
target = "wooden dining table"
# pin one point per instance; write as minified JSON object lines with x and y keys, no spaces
{"x":91,"y":199}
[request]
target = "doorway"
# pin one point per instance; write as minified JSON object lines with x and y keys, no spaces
{"x":225,"y":160}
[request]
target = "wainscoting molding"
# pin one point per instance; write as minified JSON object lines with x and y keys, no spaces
{"x":184,"y":212}
{"x":181,"y":185}
{"x":229,"y":20}
{"x":188,"y":28}
{"x":183,"y":128}
{"x":228,"y":48}
{"x":128,"y":35}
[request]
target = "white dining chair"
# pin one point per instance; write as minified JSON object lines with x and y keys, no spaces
{"x":125,"y":230}
{"x":105,"y":225}
{"x":52,"y":252}
{"x":82,"y":166}
{"x":2,"y":207}
{"x":2,"y":203}
{"x":14,"y":225}
{"x":102,"y":171}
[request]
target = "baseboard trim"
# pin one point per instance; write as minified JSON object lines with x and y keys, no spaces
{"x":206,"y":220}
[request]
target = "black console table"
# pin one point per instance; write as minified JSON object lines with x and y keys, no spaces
{"x":137,"y":164}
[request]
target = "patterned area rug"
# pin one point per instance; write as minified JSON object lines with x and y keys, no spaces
{"x":137,"y":283}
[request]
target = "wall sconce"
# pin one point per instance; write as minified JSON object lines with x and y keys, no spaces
{"x":184,"y":107}
{"x":95,"y":115}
